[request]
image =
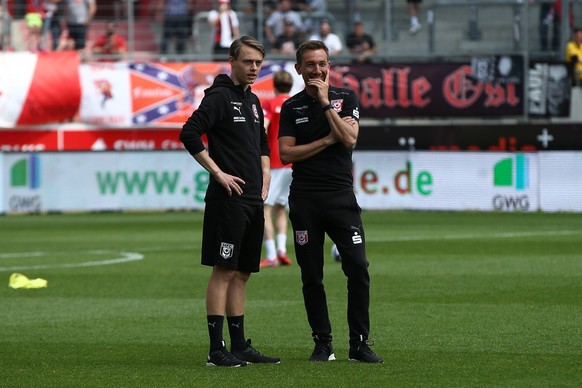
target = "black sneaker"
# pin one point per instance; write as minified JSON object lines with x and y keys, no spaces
{"x":253,"y":356}
{"x":363,"y":353}
{"x":222,"y":357}
{"x":323,"y":351}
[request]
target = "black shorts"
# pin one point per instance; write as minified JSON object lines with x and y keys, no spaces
{"x":233,"y":235}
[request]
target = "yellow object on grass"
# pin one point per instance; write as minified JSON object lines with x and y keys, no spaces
{"x":18,"y":280}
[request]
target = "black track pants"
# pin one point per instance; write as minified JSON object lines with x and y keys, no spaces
{"x":337,"y":213}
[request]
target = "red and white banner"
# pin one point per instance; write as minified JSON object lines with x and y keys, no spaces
{"x":56,"y":88}
{"x":38,"y":88}
{"x":82,"y":138}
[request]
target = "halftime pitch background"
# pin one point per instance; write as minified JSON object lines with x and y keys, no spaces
{"x":163,"y":180}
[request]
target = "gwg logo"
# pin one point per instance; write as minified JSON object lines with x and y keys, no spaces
{"x":512,"y":172}
{"x":26,"y":173}
{"x":502,"y":202}
{"x":25,"y":179}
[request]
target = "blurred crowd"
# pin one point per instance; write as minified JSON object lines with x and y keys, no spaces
{"x":55,"y":25}
{"x":100,"y":28}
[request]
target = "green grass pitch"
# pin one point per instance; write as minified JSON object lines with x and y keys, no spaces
{"x":458,"y":299}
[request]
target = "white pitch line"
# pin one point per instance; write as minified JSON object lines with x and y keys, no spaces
{"x":125,"y":257}
{"x":479,"y":236}
{"x":23,"y":254}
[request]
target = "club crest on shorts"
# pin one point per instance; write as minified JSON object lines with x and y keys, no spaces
{"x":226,"y":250}
{"x":301,"y":237}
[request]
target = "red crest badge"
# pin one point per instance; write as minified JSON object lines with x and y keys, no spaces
{"x":338,"y":105}
{"x":301,"y":237}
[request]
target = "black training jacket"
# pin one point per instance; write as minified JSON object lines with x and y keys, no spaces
{"x":233,"y":122}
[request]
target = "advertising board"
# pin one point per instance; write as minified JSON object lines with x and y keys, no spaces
{"x":447,"y":181}
{"x":163,"y":180}
{"x":41,"y":182}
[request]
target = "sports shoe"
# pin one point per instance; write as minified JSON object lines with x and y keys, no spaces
{"x":222,"y":357}
{"x":253,"y":356}
{"x":415,"y":28}
{"x":268,"y":263}
{"x":323,"y":351}
{"x":363,"y":353}
{"x":283,"y":258}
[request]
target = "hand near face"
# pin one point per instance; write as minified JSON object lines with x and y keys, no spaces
{"x":320,"y":87}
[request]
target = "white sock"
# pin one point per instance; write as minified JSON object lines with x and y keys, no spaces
{"x":282,"y":243}
{"x":414,"y":21}
{"x":270,"y":250}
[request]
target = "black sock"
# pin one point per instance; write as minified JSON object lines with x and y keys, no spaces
{"x":215,"y":325}
{"x":236,"y":329}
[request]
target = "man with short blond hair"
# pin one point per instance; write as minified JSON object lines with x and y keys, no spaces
{"x":238,"y":162}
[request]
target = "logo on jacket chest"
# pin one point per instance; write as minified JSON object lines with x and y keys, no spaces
{"x":338,"y":105}
{"x":238,"y":115}
{"x":301,"y":114}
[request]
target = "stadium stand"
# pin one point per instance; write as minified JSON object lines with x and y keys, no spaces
{"x":450,"y":27}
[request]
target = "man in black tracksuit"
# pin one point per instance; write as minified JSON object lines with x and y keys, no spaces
{"x":318,"y":129}
{"x":239,"y":166}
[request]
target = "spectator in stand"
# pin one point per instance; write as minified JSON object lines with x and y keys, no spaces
{"x":78,"y":16}
{"x":177,"y":16}
{"x":5,"y":21}
{"x":360,"y":43}
{"x":352,"y":13}
{"x":574,"y":57}
{"x":226,"y":27}
{"x":413,"y":12}
{"x":298,"y":5}
{"x":110,"y":43}
{"x":289,"y":41}
{"x":33,"y":17}
{"x":275,"y":24}
{"x":65,"y":42}
{"x":52,"y":23}
{"x":547,"y":24}
{"x":251,"y":20}
{"x":120,"y":8}
{"x":331,"y":40}
{"x":550,"y":24}
{"x":311,"y":22}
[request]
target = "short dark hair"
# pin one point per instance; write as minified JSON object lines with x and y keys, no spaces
{"x":310,"y":45}
{"x":245,"y":41}
{"x":283,"y":81}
